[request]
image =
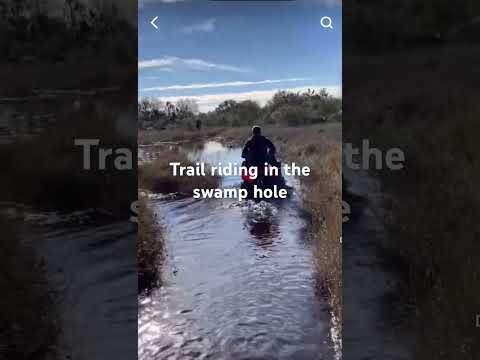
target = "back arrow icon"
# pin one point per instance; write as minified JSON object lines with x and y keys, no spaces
{"x":153,"y":22}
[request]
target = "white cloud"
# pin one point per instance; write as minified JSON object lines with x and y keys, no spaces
{"x":219,"y":85}
{"x":204,"y":26}
{"x":155,"y":63}
{"x":211,"y":101}
{"x":195,"y":64}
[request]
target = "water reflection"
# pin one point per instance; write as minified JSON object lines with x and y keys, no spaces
{"x":238,"y":281}
{"x":263,"y":224}
{"x":264,"y":231}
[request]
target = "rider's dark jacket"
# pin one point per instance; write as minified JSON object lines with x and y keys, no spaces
{"x":258,"y":150}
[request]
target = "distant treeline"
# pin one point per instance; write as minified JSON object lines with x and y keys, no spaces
{"x":284,"y":109}
{"x":63,"y":30}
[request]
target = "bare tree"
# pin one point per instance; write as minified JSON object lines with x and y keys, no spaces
{"x":187,"y":105}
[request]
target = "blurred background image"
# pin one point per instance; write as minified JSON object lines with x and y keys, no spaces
{"x":410,"y":248}
{"x":68,"y":71}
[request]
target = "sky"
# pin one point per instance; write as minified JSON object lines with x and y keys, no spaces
{"x":213,"y":50}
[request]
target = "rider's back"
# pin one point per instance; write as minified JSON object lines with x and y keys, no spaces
{"x":258,"y":149}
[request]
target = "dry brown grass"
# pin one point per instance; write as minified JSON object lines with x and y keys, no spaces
{"x":320,"y":149}
{"x":286,"y":139}
{"x":150,"y":248}
{"x":433,"y":203}
{"x":158,"y":177}
{"x":27,"y":311}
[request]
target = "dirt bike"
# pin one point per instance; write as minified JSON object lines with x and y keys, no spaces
{"x":263,"y":181}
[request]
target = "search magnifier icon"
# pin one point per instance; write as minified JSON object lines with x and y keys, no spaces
{"x":326,"y":22}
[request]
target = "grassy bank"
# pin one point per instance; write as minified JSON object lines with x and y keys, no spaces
{"x":320,"y":149}
{"x":27,"y":311}
{"x":150,"y":248}
{"x":158,"y":177}
{"x":432,"y":203}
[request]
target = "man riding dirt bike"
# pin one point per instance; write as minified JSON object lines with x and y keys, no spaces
{"x":257,"y":151}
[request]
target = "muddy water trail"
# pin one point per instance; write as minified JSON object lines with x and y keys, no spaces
{"x":239,"y":280}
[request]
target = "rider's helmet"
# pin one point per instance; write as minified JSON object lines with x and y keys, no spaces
{"x":256,"y":130}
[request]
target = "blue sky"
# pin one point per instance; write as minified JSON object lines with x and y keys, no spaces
{"x":218,"y":50}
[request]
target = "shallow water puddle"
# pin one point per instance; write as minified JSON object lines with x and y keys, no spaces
{"x":238,"y":283}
